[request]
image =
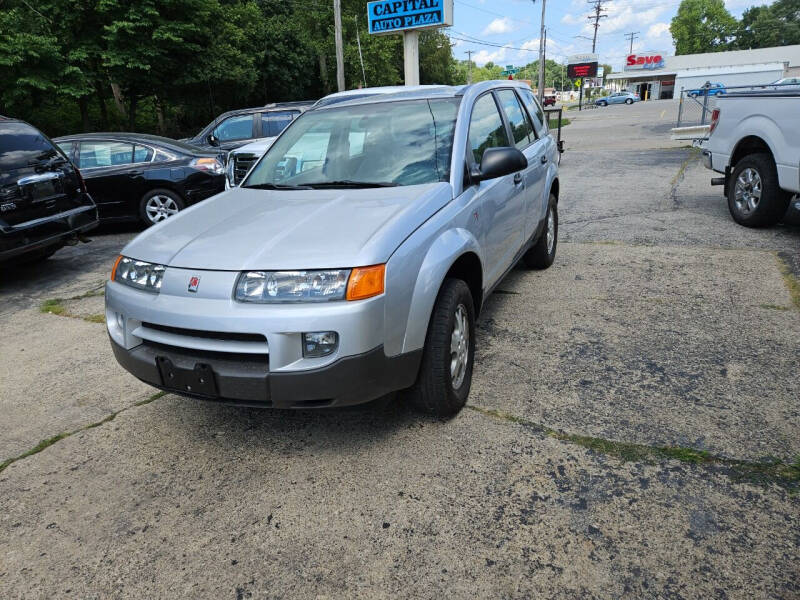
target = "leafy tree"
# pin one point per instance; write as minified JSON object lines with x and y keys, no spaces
{"x":769,"y":26}
{"x":702,"y":26}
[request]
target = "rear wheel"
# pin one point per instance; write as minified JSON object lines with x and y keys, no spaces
{"x":543,"y":252}
{"x":157,"y":205}
{"x":754,"y":197}
{"x":445,"y":375}
{"x":603,"y":103}
{"x":629,"y":101}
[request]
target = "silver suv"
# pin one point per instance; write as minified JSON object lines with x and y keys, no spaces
{"x":353,"y":259}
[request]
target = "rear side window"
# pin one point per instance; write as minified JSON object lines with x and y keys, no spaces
{"x":272,"y":123}
{"x":22,"y":146}
{"x":521,"y":128}
{"x":104,"y":154}
{"x":486,"y":129}
{"x":142,"y":154}
{"x":535,"y":111}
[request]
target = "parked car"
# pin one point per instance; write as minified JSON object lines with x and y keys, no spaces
{"x":239,"y":127}
{"x":240,"y":160}
{"x":786,"y":82}
{"x":353,"y":259}
{"x":549,"y":101}
{"x":146,"y":177}
{"x":43,"y":199}
{"x":712,"y":89}
{"x":617,"y":98}
{"x":754,"y":139}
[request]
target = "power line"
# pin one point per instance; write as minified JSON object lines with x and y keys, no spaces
{"x":598,"y":14}
{"x":632,"y":36}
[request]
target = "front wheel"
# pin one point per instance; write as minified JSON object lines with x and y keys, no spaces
{"x":754,"y":196}
{"x":157,"y":205}
{"x":543,"y":252}
{"x":603,"y":103}
{"x":629,"y":101}
{"x":445,"y":375}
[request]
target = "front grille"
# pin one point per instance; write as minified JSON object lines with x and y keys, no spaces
{"x":241,"y":165}
{"x":209,"y":335}
{"x":260,"y":361}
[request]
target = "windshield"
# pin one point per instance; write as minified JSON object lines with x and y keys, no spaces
{"x":387,"y":143}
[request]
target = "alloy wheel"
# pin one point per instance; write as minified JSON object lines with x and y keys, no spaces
{"x":160,"y":207}
{"x":459,"y":347}
{"x":747,"y":191}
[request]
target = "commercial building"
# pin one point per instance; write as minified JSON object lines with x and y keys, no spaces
{"x":654,"y":75}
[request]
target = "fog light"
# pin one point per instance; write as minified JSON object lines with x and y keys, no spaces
{"x":320,"y":343}
{"x":120,"y":322}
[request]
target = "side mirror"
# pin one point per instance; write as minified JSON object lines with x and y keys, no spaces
{"x":497,"y":162}
{"x":212,"y":140}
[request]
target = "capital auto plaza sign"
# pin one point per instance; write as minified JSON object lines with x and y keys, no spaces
{"x":391,"y":16}
{"x":648,"y":60}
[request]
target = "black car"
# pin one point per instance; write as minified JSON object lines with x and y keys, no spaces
{"x":239,"y":127}
{"x":43,"y":199}
{"x":136,"y":176}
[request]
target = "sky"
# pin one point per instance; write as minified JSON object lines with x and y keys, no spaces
{"x":512,"y":27}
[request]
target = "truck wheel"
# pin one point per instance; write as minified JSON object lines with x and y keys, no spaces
{"x":542,"y":254}
{"x":754,"y":197}
{"x":157,"y":205}
{"x":445,"y":374}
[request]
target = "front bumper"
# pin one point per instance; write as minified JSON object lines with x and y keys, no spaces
{"x":254,"y":350}
{"x":347,"y":381}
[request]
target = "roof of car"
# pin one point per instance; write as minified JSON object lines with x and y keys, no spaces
{"x":143,"y":138}
{"x":414,"y":92}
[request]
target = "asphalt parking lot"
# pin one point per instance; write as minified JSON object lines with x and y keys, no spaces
{"x":631,"y":430}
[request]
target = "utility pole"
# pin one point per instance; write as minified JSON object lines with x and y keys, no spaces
{"x":541,"y":54}
{"x":337,"y":24}
{"x":632,"y":36}
{"x":469,"y":54}
{"x":598,"y":14}
{"x":360,"y":57}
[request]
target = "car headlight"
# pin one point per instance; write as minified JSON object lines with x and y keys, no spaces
{"x":292,"y":286}
{"x":138,"y":274}
{"x":229,"y":169}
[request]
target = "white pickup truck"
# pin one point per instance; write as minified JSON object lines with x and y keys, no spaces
{"x":754,"y":139}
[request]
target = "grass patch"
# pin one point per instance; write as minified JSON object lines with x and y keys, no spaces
{"x":553,"y":123}
{"x":774,"y":307}
{"x":791,"y":281}
{"x":52,"y":440}
{"x":54,"y":306}
{"x":767,"y":472}
{"x":95,"y":318}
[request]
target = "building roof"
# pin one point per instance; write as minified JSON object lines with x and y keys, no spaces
{"x":732,"y":58}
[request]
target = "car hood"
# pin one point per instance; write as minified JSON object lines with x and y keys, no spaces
{"x":259,"y":146}
{"x":246,"y":229}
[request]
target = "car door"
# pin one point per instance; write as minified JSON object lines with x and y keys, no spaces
{"x":500,"y":201}
{"x":107,"y":167}
{"x":541,"y":155}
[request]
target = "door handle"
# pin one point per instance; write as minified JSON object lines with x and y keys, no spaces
{"x":543,"y":159}
{"x":517,"y":178}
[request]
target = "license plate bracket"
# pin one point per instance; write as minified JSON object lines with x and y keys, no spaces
{"x":199,"y":380}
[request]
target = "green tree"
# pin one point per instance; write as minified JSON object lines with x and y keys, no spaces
{"x":702,"y":26}
{"x":769,"y":26}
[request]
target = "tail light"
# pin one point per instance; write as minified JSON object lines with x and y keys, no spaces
{"x":211,"y":165}
{"x":714,"y":121}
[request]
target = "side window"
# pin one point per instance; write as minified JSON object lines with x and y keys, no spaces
{"x":142,"y":154}
{"x":162,"y":156}
{"x":235,"y":128}
{"x":535,"y":111}
{"x":521,"y":129}
{"x":273,"y":123}
{"x":486,"y":129}
{"x":104,"y":154}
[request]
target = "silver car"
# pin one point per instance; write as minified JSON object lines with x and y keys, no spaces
{"x":352,"y":261}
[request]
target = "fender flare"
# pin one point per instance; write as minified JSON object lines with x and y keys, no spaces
{"x":440,"y":257}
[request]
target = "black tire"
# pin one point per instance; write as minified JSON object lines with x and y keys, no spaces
{"x":603,"y":103}
{"x":629,"y":101}
{"x":171,"y":201}
{"x":692,"y":95}
{"x":718,"y":94}
{"x":434,"y":390}
{"x":540,"y":256}
{"x":773,"y":202}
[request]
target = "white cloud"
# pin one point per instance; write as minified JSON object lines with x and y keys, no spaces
{"x":499,"y":26}
{"x":484,"y":56}
{"x":658,"y":30}
{"x":570,"y":19}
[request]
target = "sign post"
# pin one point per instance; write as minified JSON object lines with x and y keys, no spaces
{"x":581,"y":66}
{"x":408,"y":17}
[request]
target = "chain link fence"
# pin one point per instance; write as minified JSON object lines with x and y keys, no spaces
{"x":696,"y":105}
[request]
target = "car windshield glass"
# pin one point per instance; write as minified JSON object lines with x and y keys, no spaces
{"x":368,"y":145}
{"x":23,"y":146}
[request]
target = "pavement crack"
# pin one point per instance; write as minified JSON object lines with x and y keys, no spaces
{"x":769,"y":471}
{"x":678,"y":178}
{"x":56,"y":306}
{"x":46,"y":443}
{"x":791,"y":281}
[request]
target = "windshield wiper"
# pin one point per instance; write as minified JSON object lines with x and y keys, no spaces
{"x":349,"y":183}
{"x":276,"y":186}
